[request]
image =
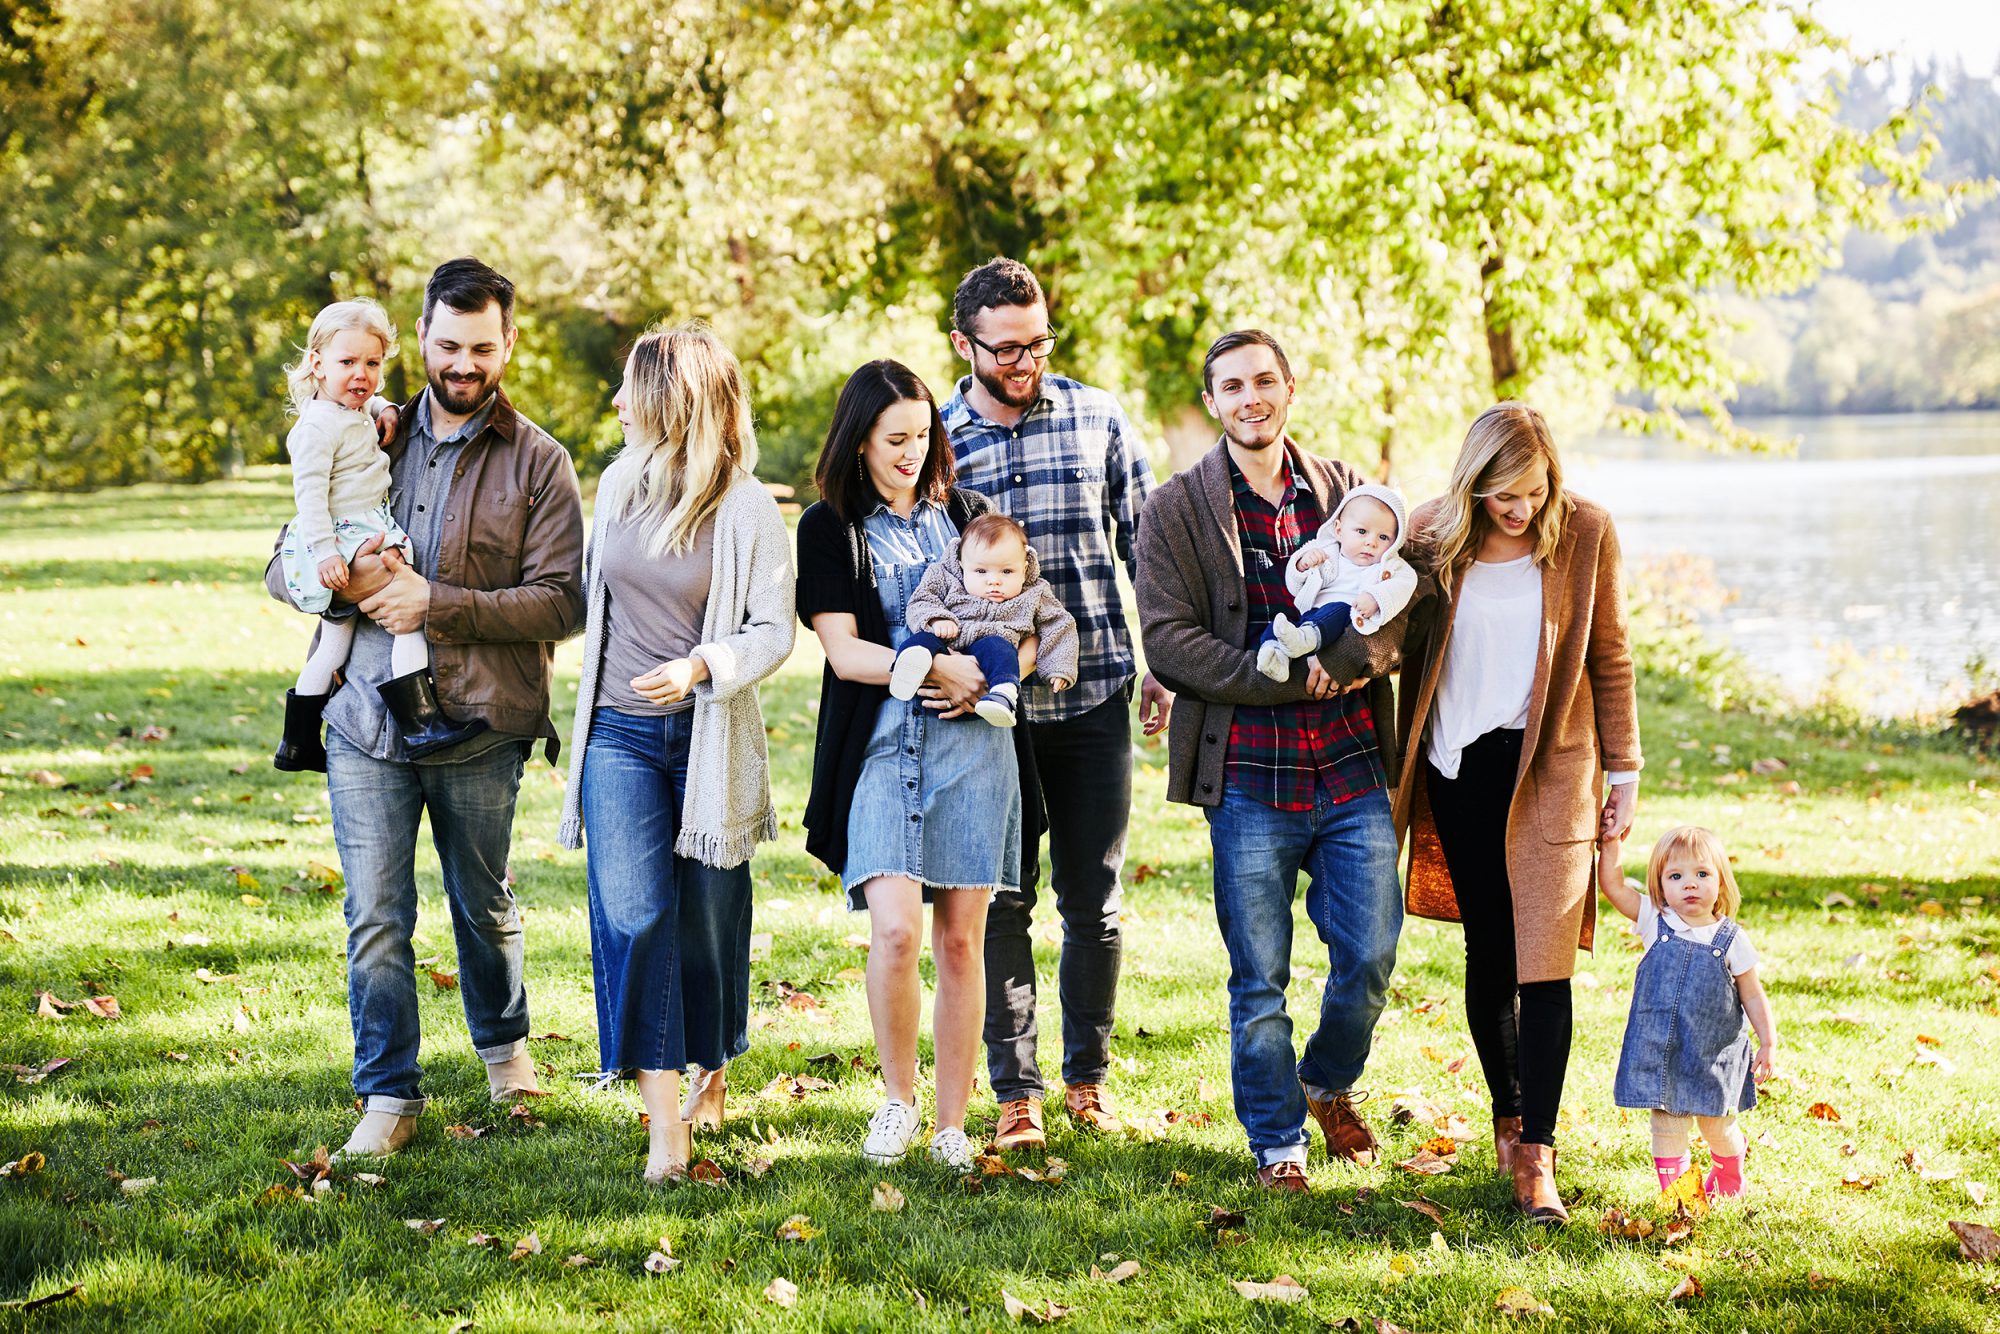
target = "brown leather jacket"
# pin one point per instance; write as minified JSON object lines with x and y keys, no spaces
{"x":509,"y":582}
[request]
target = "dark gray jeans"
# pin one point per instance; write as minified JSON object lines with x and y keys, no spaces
{"x":1085,"y":770}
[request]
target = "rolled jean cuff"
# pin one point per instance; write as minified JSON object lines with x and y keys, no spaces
{"x":378,"y":1102}
{"x":1284,"y":1153}
{"x":505,"y":1052}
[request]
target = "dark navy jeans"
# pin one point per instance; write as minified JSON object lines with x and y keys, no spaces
{"x":999,"y":661}
{"x":377,"y":805}
{"x":1347,"y":850}
{"x":669,"y":937}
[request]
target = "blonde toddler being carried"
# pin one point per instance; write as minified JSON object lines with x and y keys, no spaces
{"x":1349,"y":577}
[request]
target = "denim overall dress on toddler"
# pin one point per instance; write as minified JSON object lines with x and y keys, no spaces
{"x":1687,"y":1046}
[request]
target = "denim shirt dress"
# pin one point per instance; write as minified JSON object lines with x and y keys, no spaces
{"x":939,"y":801}
{"x":1687,"y":1042}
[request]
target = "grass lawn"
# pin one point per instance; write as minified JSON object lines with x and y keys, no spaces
{"x":149,"y":852}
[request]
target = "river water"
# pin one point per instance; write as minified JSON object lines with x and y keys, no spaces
{"x":1870,"y":553}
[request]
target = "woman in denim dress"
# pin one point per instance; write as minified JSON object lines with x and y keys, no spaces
{"x":934,"y":815}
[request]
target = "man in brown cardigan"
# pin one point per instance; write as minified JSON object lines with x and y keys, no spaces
{"x":1293,"y":775}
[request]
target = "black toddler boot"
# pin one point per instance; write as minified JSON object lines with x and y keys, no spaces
{"x":413,"y":701}
{"x":300,"y":750}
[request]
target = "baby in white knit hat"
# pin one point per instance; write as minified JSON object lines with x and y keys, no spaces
{"x":1347,"y":577}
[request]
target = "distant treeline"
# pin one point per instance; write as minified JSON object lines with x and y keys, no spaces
{"x":1432,"y":204}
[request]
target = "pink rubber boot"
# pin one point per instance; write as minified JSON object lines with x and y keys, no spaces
{"x":1670,"y":1169}
{"x":1725,"y":1176}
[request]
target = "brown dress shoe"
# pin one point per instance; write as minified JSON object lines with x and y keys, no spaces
{"x":1506,"y":1139}
{"x":1020,"y":1126}
{"x":1347,"y":1135}
{"x":1286,"y":1176}
{"x":1535,"y":1184}
{"x":1087,"y":1105}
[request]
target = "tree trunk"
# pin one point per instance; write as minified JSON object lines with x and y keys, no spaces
{"x":1500,"y":349}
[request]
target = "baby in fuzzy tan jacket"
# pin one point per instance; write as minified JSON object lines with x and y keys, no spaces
{"x":984,"y":599}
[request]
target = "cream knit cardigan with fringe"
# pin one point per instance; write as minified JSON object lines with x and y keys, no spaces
{"x":746,"y":633}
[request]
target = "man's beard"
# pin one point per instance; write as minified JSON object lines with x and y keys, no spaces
{"x":461,"y":399}
{"x":1275,"y":424}
{"x":996,"y":385}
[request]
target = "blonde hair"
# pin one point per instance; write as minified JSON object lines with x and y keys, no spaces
{"x":363,"y":315}
{"x":691,"y":431}
{"x":1503,"y":443}
{"x":1691,"y":840}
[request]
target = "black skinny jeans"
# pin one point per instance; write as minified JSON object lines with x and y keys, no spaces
{"x":1521,"y":1030}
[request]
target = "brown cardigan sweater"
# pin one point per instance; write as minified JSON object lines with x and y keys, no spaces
{"x":1194,"y":615}
{"x":1582,"y":722}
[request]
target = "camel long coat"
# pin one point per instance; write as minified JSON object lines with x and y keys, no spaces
{"x":1583,"y":721}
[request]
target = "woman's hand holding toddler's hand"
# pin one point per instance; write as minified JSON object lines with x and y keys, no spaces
{"x":333,"y":573}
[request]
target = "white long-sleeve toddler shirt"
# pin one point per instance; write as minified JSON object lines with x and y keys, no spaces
{"x":1389,"y":581}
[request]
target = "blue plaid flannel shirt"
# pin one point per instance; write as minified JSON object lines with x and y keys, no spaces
{"x":1074,"y":473}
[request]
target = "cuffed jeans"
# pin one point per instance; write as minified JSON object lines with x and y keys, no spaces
{"x":377,"y":805}
{"x":1353,"y":898}
{"x":669,"y":936}
{"x":1085,"y":766}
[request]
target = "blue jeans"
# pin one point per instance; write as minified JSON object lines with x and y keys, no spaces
{"x":377,"y":805}
{"x":669,"y":937}
{"x":999,"y":661}
{"x":1331,"y":621}
{"x":1348,"y":852}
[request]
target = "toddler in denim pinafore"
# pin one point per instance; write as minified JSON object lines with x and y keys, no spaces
{"x":1687,"y":1054}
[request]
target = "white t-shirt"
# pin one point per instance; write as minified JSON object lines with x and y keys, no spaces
{"x":1742,"y":955}
{"x":1489,"y":665}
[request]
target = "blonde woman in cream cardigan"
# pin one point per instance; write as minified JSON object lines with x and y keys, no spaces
{"x":1522,"y":747}
{"x":689,"y":587}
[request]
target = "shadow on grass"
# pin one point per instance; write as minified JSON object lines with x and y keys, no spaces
{"x":141,"y":575}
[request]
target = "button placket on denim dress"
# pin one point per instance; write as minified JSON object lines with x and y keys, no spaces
{"x":939,"y":801}
{"x":1687,"y":1050}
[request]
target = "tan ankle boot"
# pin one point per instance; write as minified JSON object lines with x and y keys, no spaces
{"x":379,"y":1133}
{"x":1506,"y":1139}
{"x":1535,"y":1184}
{"x":512,"y":1078}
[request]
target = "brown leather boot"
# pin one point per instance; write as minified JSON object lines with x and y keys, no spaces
{"x":1535,"y":1184}
{"x":1347,"y":1135}
{"x":1286,"y":1176}
{"x":1020,"y":1126}
{"x":1506,"y":1139}
{"x":1087,"y":1105}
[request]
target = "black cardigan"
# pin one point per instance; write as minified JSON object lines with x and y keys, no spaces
{"x":837,"y":575}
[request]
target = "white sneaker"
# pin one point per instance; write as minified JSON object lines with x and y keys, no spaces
{"x":912,"y":665}
{"x":1298,"y":640}
{"x":998,"y":706}
{"x":1273,"y":662}
{"x":952,"y":1149}
{"x":890,"y":1132}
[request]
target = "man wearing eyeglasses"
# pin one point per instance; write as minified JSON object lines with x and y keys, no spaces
{"x":1060,"y":458}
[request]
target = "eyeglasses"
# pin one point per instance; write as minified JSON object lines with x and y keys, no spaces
{"x":1008,"y":355}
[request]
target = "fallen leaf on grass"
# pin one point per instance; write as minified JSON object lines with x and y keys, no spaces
{"x":104,"y":1007}
{"x":797,"y":1228}
{"x":707,"y":1173}
{"x":209,"y":979}
{"x":371,"y":1178}
{"x":1219,"y":1217}
{"x":1374,"y":1325}
{"x":1977,"y":1191}
{"x":465,"y":1132}
{"x":1434,"y":1212}
{"x":1859,"y":1181}
{"x":1124,"y":1270}
{"x":659,"y":1262}
{"x":526,"y":1246}
{"x":430,"y":1227}
{"x":35,"y":1074}
{"x":886,"y":1199}
{"x":1817,"y":1281}
{"x":1052,"y":1172}
{"x":1426,"y":1163}
{"x":1687,"y":1290}
{"x":1685,"y":1195}
{"x":1823,"y":1111}
{"x":1442,"y":1146}
{"x":1517,"y":1302}
{"x":1283,"y":1288}
{"x":26,"y":1165}
{"x":1914,"y":1160}
{"x":1943,"y":1064}
{"x":46,"y":777}
{"x":1400,"y":1268}
{"x":579,"y":1261}
{"x":442,"y":981}
{"x":1976,"y":1242}
{"x":1019,"y":1311}
{"x":782,"y":1292}
{"x":138,"y":1185}
{"x":1616,"y":1222}
{"x":481,"y":1239}
{"x":756,"y":1168}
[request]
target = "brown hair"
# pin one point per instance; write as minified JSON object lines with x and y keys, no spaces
{"x":841,"y":479}
{"x":1691,"y":840}
{"x":988,"y":529}
{"x":1229,"y":342}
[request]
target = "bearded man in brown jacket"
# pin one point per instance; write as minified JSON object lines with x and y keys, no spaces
{"x":495,"y":519}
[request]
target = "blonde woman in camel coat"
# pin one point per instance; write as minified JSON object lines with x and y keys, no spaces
{"x":1516,"y":707}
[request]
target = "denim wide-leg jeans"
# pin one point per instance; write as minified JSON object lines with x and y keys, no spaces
{"x":377,"y":805}
{"x":1353,"y":898}
{"x":669,"y":936}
